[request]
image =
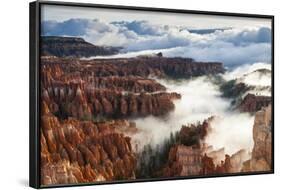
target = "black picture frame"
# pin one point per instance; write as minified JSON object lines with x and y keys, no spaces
{"x":34,"y":88}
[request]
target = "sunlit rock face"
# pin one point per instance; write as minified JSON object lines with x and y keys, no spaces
{"x":86,"y":104}
{"x":183,"y":161}
{"x":74,"y":151}
{"x":70,"y":93}
{"x":114,"y":88}
{"x":261,"y":159}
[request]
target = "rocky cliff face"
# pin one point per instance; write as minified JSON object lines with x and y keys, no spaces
{"x":73,"y":46}
{"x":191,"y":161}
{"x":191,"y":156}
{"x":155,"y":66}
{"x":114,"y":88}
{"x":74,"y":101}
{"x":139,"y":66}
{"x":186,"y":155}
{"x":261,"y":159}
{"x":183,"y":161}
{"x":127,"y":84}
{"x":252,"y":103}
{"x":74,"y":151}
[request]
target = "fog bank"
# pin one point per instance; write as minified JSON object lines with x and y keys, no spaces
{"x":200,"y":100}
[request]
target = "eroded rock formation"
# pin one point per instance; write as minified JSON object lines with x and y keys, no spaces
{"x":186,"y":156}
{"x":261,"y":159}
{"x":160,"y":66}
{"x":74,"y":151}
{"x":74,"y":101}
{"x":138,"y":66}
{"x":85,"y":134}
{"x":191,"y":156}
{"x":73,"y":90}
{"x":252,"y":103}
{"x":183,"y":161}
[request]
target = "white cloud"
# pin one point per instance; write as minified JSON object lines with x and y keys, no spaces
{"x":257,"y":75}
{"x":225,"y":52}
{"x":233,"y":46}
{"x":245,"y":69}
{"x":200,"y":100}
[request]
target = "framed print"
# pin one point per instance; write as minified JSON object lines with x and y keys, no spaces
{"x":130,"y":94}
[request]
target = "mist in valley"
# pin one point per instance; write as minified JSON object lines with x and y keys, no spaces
{"x":201,"y":99}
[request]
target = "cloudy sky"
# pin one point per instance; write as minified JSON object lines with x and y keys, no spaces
{"x":232,"y":40}
{"x":63,"y":13}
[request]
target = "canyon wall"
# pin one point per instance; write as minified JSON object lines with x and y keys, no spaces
{"x":116,"y":88}
{"x":155,"y":66}
{"x":252,"y":103}
{"x":261,"y":159}
{"x":73,"y":47}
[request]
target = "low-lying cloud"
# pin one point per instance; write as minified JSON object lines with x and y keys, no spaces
{"x":245,"y":69}
{"x":257,"y":75}
{"x":200,"y":100}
